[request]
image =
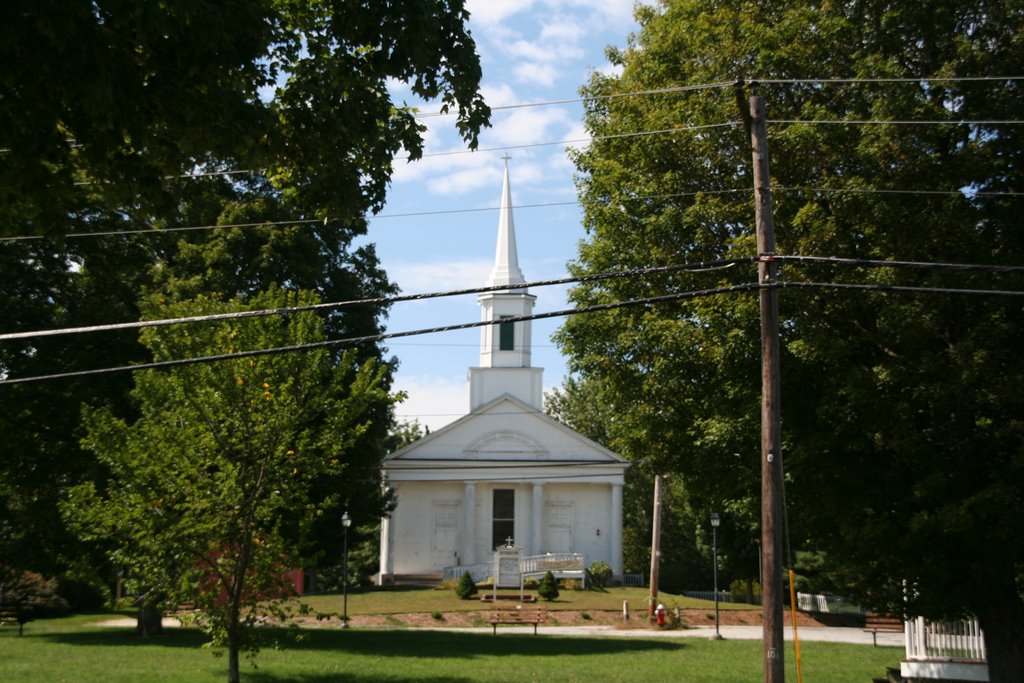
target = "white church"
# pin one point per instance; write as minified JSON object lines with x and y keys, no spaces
{"x":505,"y":474}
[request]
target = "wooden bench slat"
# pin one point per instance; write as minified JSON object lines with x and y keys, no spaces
{"x":509,"y":614}
{"x":15,"y":614}
{"x":881,"y":623}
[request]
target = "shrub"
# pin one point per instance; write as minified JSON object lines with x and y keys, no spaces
{"x":32,"y":590}
{"x":81,"y":595}
{"x":438,"y":616}
{"x":745,"y":590}
{"x":572,"y":584}
{"x":548,"y":588}
{"x":600,"y":573}
{"x":466,"y":588}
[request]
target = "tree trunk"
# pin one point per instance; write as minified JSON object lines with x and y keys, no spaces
{"x":149,"y":621}
{"x":233,"y":646}
{"x":1000,"y":617}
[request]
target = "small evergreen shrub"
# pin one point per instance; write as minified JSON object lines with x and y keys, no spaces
{"x":466,"y":588}
{"x":600,"y":573}
{"x":548,"y":588}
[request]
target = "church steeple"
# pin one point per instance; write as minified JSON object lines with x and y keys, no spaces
{"x":505,"y":346}
{"x":506,"y":258}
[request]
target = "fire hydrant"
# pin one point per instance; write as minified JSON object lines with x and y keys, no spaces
{"x":660,"y":614}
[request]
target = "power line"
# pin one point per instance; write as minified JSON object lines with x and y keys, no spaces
{"x":145,"y":231}
{"x":594,"y":98}
{"x":539,"y":205}
{"x":894,"y":79}
{"x":880,"y":263}
{"x":900,"y":122}
{"x":728,"y":84}
{"x":703,"y":266}
{"x":868,"y":190}
{"x":677,"y":129}
{"x":667,"y":298}
{"x":352,"y":341}
{"x":790,"y":284}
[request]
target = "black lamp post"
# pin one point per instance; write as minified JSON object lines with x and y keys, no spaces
{"x":715,"y":521}
{"x":346,"y":522}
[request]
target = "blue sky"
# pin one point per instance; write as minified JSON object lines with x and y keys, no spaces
{"x":438,"y":229}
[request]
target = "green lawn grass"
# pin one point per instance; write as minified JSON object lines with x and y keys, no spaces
{"x":77,"y":650}
{"x":404,"y":600}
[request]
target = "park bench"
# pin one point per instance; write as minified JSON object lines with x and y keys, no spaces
{"x":11,"y":614}
{"x":517,"y":614}
{"x":881,"y":623}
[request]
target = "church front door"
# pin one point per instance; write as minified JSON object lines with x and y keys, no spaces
{"x":444,"y":548}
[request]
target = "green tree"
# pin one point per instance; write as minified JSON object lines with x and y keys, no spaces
{"x":122,"y":95}
{"x":548,"y":588}
{"x":104,"y":106}
{"x":902,"y":417}
{"x":211,"y":495}
{"x":466,"y":588}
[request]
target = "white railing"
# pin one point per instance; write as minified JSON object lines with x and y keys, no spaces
{"x":562,"y":565}
{"x":559,"y":564}
{"x":478,"y":572}
{"x":950,"y":640}
{"x":723,"y":596}
{"x":827,"y":604}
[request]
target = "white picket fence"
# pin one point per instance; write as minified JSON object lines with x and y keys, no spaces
{"x":945,"y":640}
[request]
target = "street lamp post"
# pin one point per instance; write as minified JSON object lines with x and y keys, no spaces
{"x":715,"y":521}
{"x":346,"y":522}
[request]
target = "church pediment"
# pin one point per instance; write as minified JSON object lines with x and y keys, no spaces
{"x":504,"y":444}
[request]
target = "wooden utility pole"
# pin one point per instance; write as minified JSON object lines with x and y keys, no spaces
{"x":655,"y":547}
{"x":771,"y":438}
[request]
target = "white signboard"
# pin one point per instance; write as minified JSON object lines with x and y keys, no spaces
{"x":507,"y":574}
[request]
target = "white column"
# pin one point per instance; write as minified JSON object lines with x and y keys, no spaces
{"x":385,"y":551}
{"x":536,"y":519}
{"x":616,"y":537}
{"x":469,"y":524}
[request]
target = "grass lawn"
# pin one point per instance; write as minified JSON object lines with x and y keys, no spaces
{"x":77,"y":650}
{"x":404,"y":600}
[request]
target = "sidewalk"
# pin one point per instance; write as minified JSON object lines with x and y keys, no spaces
{"x":807,"y":634}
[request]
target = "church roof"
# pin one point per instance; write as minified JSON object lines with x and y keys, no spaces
{"x":507,"y":429}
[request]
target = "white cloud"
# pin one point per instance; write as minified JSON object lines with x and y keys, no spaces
{"x":536,"y":73}
{"x":465,"y":181}
{"x":600,"y":13}
{"x":415,"y":277}
{"x":563,"y":30}
{"x":531,"y":125}
{"x":528,"y":50}
{"x":493,"y":12}
{"x":499,"y":95}
{"x":433,"y":400}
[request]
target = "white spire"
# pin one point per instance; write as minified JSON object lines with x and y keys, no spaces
{"x":506,"y":259}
